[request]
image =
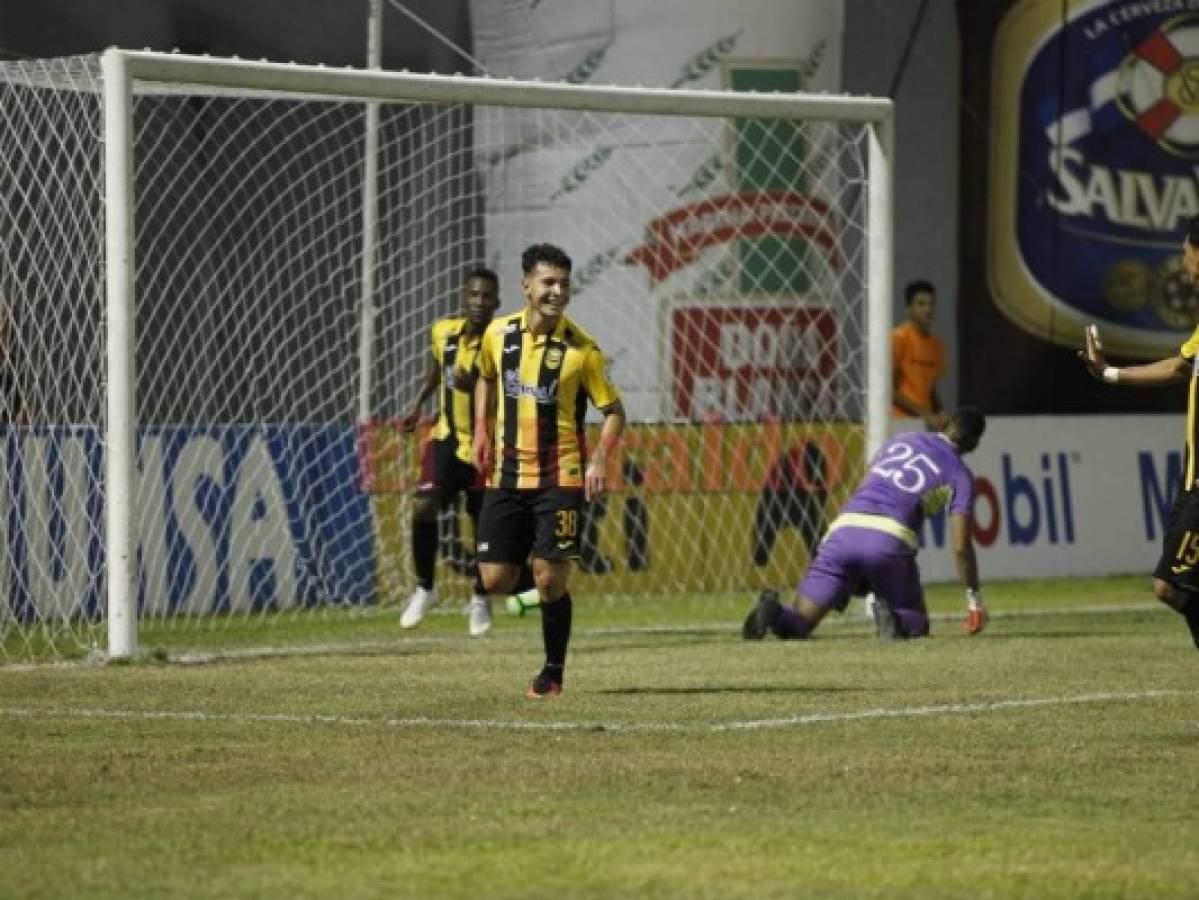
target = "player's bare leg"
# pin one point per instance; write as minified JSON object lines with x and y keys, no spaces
{"x":1185,"y":603}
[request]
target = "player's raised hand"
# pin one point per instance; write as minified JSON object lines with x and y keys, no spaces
{"x":1092,"y":352}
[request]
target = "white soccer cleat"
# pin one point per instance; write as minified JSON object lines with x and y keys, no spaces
{"x":478,"y":612}
{"x":418,"y":606}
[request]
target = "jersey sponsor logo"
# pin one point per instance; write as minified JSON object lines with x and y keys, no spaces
{"x":542,"y":393}
{"x":1094,"y":171}
{"x":511,"y":349}
{"x":553,"y":358}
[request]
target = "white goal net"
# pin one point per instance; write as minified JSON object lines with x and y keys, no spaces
{"x":731,"y":256}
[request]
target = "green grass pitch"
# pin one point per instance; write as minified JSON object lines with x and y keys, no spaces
{"x":1055,"y":755}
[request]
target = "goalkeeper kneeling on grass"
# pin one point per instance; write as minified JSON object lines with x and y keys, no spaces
{"x":871,"y":546}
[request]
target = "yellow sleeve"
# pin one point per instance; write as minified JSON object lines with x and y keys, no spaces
{"x":1191,"y":346}
{"x":436,"y":344}
{"x":486,"y":358}
{"x":595,"y":378}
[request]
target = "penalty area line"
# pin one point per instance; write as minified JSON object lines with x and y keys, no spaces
{"x":796,"y":721}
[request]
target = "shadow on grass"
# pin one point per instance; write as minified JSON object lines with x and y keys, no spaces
{"x":702,"y":689}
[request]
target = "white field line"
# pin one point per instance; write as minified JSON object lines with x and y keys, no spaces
{"x":210,"y":656}
{"x":901,"y":712}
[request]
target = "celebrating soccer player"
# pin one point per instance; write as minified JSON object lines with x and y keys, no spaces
{"x":447,"y":468}
{"x":1176,"y":578}
{"x":871,"y":545}
{"x":537,"y":370}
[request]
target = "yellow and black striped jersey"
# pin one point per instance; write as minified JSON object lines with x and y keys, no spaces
{"x":1190,"y":352}
{"x":544,"y":383}
{"x":455,"y":348}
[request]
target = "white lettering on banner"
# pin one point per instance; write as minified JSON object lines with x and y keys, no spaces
{"x":766,"y":345}
{"x":259,"y":532}
{"x":201,"y":460}
{"x":1124,"y":197}
{"x":58,"y":576}
{"x":152,"y":527}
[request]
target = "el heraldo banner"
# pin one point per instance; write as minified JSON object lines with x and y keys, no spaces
{"x":1080,"y":153}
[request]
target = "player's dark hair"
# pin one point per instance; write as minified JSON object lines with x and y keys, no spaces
{"x":550,"y":254}
{"x":483,"y":272}
{"x":1193,"y":232}
{"x":919,"y":286}
{"x":969,"y":423}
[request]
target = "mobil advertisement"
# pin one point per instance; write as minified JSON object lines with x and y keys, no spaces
{"x":1067,"y":495}
{"x":230,"y":519}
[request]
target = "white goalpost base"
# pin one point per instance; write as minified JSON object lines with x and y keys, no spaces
{"x":221,"y":277}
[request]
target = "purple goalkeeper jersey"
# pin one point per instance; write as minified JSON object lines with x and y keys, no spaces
{"x":914,"y":473}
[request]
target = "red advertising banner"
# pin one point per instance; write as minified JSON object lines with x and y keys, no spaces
{"x":747,"y":361}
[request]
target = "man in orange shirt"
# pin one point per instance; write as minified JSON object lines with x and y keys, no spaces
{"x":917,"y":360}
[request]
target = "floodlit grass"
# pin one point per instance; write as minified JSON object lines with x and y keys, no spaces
{"x":1052,"y":756}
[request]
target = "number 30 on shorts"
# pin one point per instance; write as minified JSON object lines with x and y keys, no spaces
{"x":567,"y":523}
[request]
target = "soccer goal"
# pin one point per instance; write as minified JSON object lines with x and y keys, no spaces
{"x":218,"y":283}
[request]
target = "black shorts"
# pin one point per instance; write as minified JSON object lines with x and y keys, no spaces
{"x":1179,"y":563}
{"x":542,"y":522}
{"x":443,"y":471}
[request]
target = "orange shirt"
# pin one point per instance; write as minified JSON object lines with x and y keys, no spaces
{"x":920,"y":361}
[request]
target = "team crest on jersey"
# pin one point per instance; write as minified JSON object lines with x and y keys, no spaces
{"x":553,"y":358}
{"x":1095,"y":170}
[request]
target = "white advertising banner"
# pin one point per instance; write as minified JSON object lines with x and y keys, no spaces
{"x":670,"y":218}
{"x":1066,"y":495}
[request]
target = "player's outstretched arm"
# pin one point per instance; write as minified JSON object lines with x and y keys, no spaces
{"x":966,"y":562}
{"x":1154,"y":374}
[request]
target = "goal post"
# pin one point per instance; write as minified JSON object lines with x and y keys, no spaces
{"x":732,"y":256}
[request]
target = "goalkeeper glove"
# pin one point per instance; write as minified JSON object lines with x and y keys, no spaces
{"x":976,"y":613}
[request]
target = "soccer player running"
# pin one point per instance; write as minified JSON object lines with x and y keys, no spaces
{"x":871,"y":545}
{"x":537,"y":371}
{"x":447,"y":468}
{"x":1176,"y":578}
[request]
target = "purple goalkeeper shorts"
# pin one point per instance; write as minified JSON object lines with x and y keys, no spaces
{"x":852,"y":561}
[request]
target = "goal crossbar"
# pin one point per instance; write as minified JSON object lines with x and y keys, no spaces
{"x":164,"y":71}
